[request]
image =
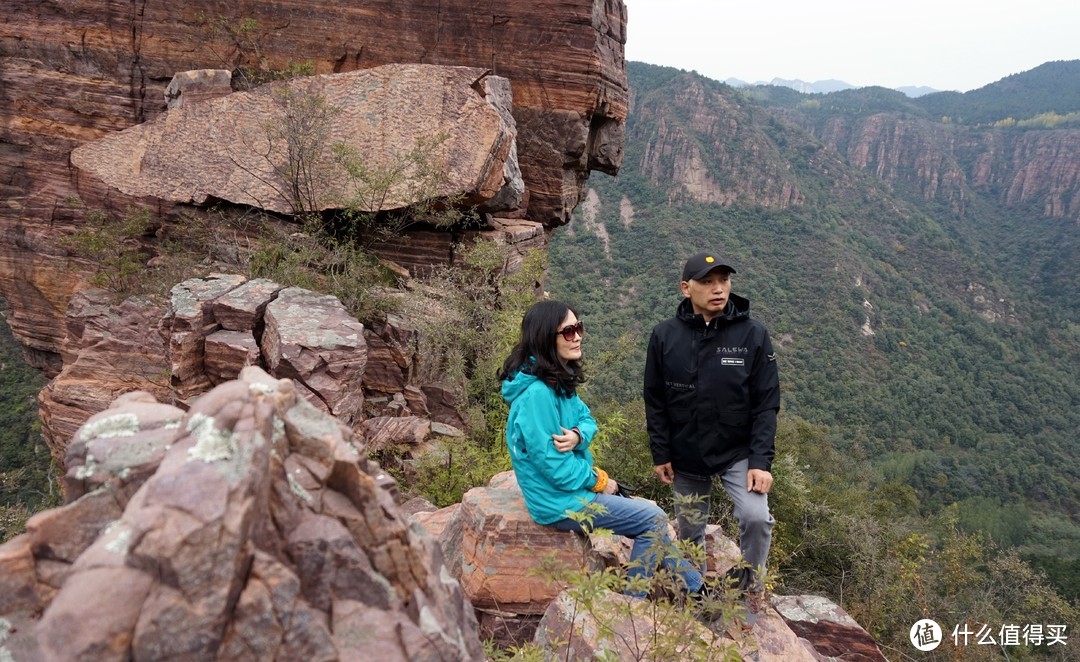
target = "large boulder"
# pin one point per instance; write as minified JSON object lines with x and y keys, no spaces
{"x":275,"y":147}
{"x":827,"y":627}
{"x":492,"y":545}
{"x":502,"y":549}
{"x":249,"y":527}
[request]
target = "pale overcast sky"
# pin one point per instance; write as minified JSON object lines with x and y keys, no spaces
{"x":944,"y":44}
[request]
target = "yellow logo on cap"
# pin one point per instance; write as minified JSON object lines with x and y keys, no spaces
{"x":710,"y":259}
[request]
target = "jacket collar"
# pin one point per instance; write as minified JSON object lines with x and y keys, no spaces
{"x":738,"y":308}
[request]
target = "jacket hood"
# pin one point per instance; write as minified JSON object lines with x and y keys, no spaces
{"x":516,"y":385}
{"x":738,"y":308}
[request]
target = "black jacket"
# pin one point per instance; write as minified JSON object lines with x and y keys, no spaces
{"x":711,"y":391}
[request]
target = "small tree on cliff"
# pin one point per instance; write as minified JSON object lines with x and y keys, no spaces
{"x":238,"y":46}
{"x":416,"y":176}
{"x":301,"y":134}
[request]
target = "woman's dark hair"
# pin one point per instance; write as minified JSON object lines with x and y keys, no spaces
{"x":535,"y":351}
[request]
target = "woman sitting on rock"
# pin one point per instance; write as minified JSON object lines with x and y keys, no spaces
{"x":548,"y":433}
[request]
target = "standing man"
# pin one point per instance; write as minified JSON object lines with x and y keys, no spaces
{"x":711,"y":398}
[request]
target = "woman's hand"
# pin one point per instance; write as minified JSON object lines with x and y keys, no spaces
{"x":566,"y":441}
{"x":612,"y":487}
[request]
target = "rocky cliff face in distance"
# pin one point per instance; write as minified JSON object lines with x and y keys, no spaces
{"x":74,"y":72}
{"x":950,"y":163}
{"x":705,"y":142}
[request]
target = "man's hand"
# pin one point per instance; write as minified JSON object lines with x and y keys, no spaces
{"x":612,"y":487}
{"x":566,"y":441}
{"x":758,"y":480}
{"x":664,"y":472}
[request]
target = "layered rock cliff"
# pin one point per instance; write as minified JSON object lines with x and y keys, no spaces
{"x":706,"y":142}
{"x":706,"y":147}
{"x":76,"y":71}
{"x":951,"y":163}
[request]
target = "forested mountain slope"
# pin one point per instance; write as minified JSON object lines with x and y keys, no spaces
{"x":918,"y":279}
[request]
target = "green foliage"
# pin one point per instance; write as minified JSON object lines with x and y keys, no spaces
{"x":463,"y":343}
{"x":1045,"y":97}
{"x":413,"y":176}
{"x":114,"y":244}
{"x":453,"y":467}
{"x":960,"y":403}
{"x":676,"y":631}
{"x":317,"y":260}
{"x":301,"y":134}
{"x":1048,"y":88}
{"x":238,"y":46}
{"x":27,"y":474}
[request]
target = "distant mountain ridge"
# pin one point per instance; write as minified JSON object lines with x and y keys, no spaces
{"x":816,"y":87}
{"x":1039,"y":81}
{"x":824,"y":86}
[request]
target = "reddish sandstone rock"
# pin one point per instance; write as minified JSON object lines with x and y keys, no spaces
{"x":241,"y":309}
{"x":573,"y":631}
{"x":490,"y":541}
{"x":262,"y":533}
{"x":18,"y":581}
{"x":237,"y":147}
{"x":190,"y":320}
{"x":384,"y":431}
{"x":110,"y":349}
{"x":564,"y":61}
{"x":721,"y":552}
{"x":501,"y":544}
{"x":771,"y":640}
{"x":312,"y":339}
{"x":304,"y":336}
{"x":420,"y":251}
{"x":632,"y":628}
{"x":392,"y":346}
{"x":827,"y":627}
{"x":188,"y":87}
{"x":226,"y":353}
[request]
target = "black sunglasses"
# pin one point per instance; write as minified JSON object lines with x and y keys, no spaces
{"x":568,"y":332}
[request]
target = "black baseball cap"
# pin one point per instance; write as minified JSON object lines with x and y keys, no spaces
{"x":702,"y":263}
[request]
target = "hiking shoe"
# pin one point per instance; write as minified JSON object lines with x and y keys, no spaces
{"x":748,"y":609}
{"x":704,"y":604}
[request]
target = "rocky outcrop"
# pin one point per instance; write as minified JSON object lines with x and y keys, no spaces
{"x":422,"y":250}
{"x":211,"y":330}
{"x":110,"y":349}
{"x":829,"y":630}
{"x":73,"y":72}
{"x":620,"y":627}
{"x":279,"y":146}
{"x":250,"y":527}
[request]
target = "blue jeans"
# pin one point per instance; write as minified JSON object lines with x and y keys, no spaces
{"x":751,"y":511}
{"x":647,"y":524}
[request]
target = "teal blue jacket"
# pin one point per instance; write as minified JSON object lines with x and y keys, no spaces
{"x":552,"y":482}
